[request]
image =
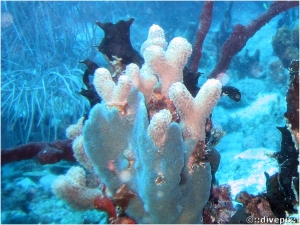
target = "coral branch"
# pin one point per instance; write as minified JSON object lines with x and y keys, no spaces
{"x":45,"y":152}
{"x":204,"y":24}
{"x":169,"y":64}
{"x":194,"y":111}
{"x":159,"y":125}
{"x":73,"y":189}
{"x":241,"y":34}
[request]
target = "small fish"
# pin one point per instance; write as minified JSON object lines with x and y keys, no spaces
{"x":232,"y":93}
{"x":265,"y":6}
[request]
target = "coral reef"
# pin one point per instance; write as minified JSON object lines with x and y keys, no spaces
{"x":153,"y":164}
{"x":147,"y":147}
{"x":153,"y":137}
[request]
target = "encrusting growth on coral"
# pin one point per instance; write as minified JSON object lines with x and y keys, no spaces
{"x":159,"y":102}
{"x":147,"y":139}
{"x":219,"y":208}
{"x":258,"y":206}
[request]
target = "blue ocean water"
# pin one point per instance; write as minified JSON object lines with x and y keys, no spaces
{"x":41,"y":46}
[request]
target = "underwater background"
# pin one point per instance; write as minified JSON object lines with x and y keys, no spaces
{"x":42,"y":44}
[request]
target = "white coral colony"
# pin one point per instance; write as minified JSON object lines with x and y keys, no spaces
{"x":152,"y":157}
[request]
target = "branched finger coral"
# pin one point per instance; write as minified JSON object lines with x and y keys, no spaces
{"x":156,"y":164}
